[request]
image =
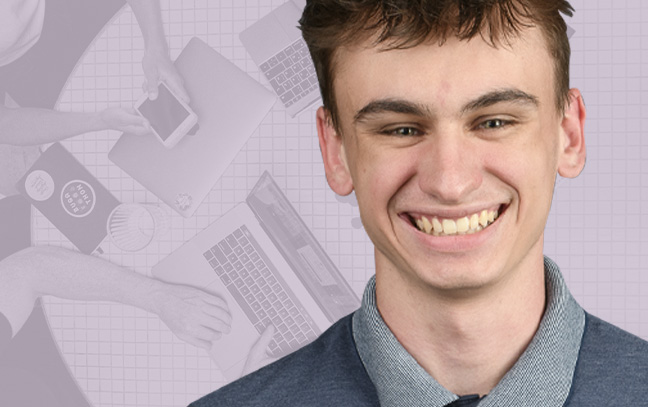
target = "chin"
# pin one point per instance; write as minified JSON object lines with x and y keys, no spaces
{"x":458,"y":277}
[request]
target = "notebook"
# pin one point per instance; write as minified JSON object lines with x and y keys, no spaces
{"x":229,"y":104}
{"x":65,"y":192}
{"x":264,"y":261}
{"x":277,"y":47}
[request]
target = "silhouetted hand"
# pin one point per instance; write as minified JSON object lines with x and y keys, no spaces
{"x":126,"y":120}
{"x":193,"y":315}
{"x":158,"y":67}
{"x":258,"y":356}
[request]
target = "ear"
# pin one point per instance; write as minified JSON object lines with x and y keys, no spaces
{"x":572,"y":149}
{"x":333,"y":154}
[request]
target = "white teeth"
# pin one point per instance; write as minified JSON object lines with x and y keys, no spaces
{"x":438,"y":227}
{"x":449,"y":226}
{"x":427,"y":225}
{"x":474,"y":221}
{"x":466,"y":225}
{"x":483,"y":218}
{"x":463,"y":225}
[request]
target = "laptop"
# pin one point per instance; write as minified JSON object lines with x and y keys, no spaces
{"x":265,"y":262}
{"x":277,"y":47}
{"x":229,"y":104}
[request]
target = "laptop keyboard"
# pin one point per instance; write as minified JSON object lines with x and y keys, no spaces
{"x":291,"y":73}
{"x":262,"y":294}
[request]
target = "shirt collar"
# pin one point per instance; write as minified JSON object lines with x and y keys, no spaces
{"x":542,"y":376}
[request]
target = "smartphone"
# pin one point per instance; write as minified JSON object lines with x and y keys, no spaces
{"x":170,"y":117}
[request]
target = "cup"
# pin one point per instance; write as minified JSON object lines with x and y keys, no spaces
{"x":132,"y":227}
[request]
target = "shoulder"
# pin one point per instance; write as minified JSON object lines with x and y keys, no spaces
{"x":325,"y":372}
{"x":612,"y":365}
{"x":608,"y":345}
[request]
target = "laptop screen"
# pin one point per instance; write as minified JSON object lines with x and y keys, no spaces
{"x":301,"y":250}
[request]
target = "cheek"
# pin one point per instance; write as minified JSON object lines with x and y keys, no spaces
{"x":528,"y":167}
{"x":378,"y":175}
{"x":529,"y":155}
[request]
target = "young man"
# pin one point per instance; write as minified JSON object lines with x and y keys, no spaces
{"x":451,"y":121}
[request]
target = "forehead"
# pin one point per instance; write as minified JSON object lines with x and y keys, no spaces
{"x":444,"y":74}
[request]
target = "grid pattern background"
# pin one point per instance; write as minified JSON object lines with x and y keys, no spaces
{"x":597,"y":230}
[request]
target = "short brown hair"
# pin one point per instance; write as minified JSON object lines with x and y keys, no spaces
{"x":328,"y":25}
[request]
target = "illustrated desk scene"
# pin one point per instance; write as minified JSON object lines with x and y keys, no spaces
{"x":226,"y":192}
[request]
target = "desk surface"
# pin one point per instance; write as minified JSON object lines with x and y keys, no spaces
{"x":125,"y":356}
{"x":597,"y":230}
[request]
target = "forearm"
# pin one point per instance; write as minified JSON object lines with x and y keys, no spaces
{"x":72,"y":275}
{"x":32,"y":126}
{"x":193,"y":315}
{"x":149,"y":18}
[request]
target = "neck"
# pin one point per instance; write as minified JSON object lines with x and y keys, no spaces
{"x":466,"y":339}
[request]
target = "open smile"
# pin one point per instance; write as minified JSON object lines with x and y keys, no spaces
{"x":470,"y":223}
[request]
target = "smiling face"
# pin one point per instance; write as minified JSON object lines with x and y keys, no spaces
{"x":453,"y":152}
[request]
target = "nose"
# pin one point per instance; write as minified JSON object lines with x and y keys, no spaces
{"x":449,"y":167}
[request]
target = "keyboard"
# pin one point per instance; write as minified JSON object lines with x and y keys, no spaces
{"x":291,"y":73}
{"x":263,"y":295}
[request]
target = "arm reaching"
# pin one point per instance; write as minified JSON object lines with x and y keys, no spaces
{"x":156,"y":64}
{"x":192,"y":314}
{"x":24,"y":126}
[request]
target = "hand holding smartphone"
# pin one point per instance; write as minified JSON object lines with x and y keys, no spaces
{"x":170,"y":117}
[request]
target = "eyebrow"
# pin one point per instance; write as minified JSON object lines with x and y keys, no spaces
{"x":498,"y":96}
{"x":406,"y":107}
{"x":391,"y":106}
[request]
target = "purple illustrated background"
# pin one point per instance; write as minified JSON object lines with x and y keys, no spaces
{"x":597,"y":230}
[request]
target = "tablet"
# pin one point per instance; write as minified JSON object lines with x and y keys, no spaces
{"x":170,"y":117}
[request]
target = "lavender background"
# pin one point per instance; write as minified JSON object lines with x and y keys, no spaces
{"x":597,"y":231}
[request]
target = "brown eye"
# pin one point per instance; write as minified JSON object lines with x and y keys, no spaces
{"x":493,"y":124}
{"x":405,"y":131}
